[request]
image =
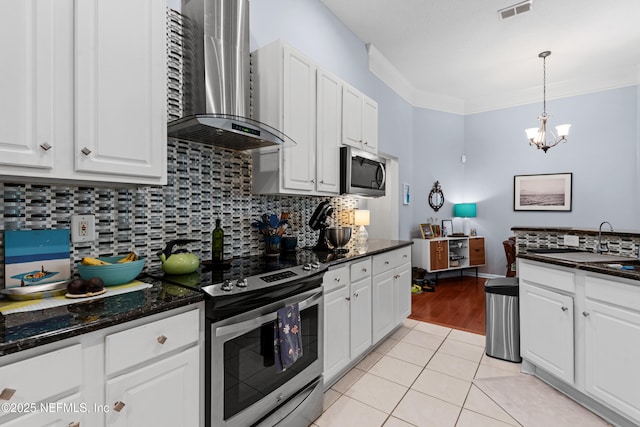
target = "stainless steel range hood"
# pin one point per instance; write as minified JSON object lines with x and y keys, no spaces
{"x":216,"y":98}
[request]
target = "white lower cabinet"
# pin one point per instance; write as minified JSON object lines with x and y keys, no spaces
{"x":547,"y":330}
{"x":336,"y":332}
{"x":67,"y":412}
{"x":583,"y":328}
{"x":391,"y":290}
{"x":143,"y":372}
{"x":161,"y":394}
{"x":612,"y":344}
{"x":347,"y":316}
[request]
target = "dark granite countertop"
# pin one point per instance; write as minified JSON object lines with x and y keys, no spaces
{"x":374,"y":247}
{"x":20,"y":331}
{"x":595,"y":267}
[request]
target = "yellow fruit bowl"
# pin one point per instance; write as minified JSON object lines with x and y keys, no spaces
{"x":114,"y":273}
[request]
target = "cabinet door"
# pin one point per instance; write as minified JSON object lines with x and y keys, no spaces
{"x":36,"y":64}
{"x":547,"y":330}
{"x":67,"y":412}
{"x":120,"y":92}
{"x":336,"y":332}
{"x":351,"y":117}
{"x":162,"y":394}
{"x":438,"y":255}
{"x":383,"y":304}
{"x":360,"y":316}
{"x":329,"y":130}
{"x":612,"y":344}
{"x":476,"y":251}
{"x":402,"y":292}
{"x":369,"y":125}
{"x":299,"y":162}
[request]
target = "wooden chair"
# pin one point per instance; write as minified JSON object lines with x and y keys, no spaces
{"x":510,"y":252}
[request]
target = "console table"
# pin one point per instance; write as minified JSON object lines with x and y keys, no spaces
{"x":448,"y":253}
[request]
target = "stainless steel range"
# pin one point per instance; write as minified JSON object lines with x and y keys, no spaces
{"x":244,"y":387}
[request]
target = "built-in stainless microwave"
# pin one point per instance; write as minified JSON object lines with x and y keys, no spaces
{"x":361,"y":173}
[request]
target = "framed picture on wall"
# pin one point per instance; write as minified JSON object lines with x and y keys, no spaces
{"x":406,"y":194}
{"x":545,"y":192}
{"x":425,"y":230}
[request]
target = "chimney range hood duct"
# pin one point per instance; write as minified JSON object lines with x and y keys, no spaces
{"x":217,"y":78}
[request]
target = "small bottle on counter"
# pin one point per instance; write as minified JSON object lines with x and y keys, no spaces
{"x":217,"y":243}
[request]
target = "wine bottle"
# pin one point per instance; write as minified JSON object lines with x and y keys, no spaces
{"x":217,"y":243}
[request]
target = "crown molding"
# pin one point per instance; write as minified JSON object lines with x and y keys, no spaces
{"x":597,"y":81}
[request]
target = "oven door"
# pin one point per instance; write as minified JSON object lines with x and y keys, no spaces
{"x":245,"y":383}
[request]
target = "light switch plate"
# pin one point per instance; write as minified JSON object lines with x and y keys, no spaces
{"x":573,"y":241}
{"x":83,"y":228}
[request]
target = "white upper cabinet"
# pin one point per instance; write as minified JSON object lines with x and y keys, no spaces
{"x":328,"y":132}
{"x":316,"y":109}
{"x":285,"y":86}
{"x":359,"y":120}
{"x":35,"y":43}
{"x":120,"y":88}
{"x":85,"y":86}
{"x":299,"y":117}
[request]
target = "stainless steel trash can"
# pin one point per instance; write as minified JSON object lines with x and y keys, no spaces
{"x":502,"y":313}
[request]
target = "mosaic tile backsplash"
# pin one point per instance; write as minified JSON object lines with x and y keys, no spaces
{"x":203,"y":183}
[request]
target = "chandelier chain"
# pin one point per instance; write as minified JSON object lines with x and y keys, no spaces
{"x":544,"y":85}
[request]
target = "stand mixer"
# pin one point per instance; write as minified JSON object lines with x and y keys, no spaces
{"x":318,"y":221}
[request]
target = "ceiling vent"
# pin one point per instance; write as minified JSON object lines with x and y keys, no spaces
{"x":516,"y":9}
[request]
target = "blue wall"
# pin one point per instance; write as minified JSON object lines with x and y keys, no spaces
{"x":309,"y":27}
{"x":602,"y":151}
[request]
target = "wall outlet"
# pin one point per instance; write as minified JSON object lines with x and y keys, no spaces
{"x":573,"y":241}
{"x":83,"y":228}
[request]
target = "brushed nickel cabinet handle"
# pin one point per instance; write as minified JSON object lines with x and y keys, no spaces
{"x":337,"y":279}
{"x":355,"y":294}
{"x":585,"y":314}
{"x":348,"y":299}
{"x":564,"y":309}
{"x":162,"y":339}
{"x":7,"y":394}
{"x":364,"y":270}
{"x":118,"y":406}
{"x":85,"y":151}
{"x":386,"y":263}
{"x":45,"y":146}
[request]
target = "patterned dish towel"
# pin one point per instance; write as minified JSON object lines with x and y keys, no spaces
{"x":287,"y":337}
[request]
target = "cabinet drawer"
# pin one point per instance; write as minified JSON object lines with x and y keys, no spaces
{"x":613,"y":292}
{"x":360,"y":270}
{"x":403,"y":255}
{"x":41,"y":377}
{"x":335,"y":278}
{"x":128,"y":348}
{"x":551,"y":277}
{"x":392,"y":259}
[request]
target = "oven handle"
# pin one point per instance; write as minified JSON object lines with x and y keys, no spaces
{"x":247,"y":325}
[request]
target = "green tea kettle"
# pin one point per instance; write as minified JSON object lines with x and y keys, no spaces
{"x":180,"y":261}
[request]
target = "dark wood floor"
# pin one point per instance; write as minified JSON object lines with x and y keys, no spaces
{"x":457,"y":303}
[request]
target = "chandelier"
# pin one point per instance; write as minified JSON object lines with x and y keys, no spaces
{"x":538,"y":136}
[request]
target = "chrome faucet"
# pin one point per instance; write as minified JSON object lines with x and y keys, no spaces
{"x":603,"y":247}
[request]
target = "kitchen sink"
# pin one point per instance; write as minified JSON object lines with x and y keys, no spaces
{"x":553,"y":250}
{"x":583,"y":256}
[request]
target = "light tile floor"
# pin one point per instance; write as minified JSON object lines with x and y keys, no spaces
{"x":420,"y":376}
